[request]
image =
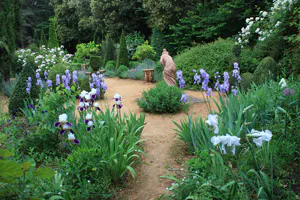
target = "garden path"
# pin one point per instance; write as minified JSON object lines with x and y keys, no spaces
{"x":165,"y":153}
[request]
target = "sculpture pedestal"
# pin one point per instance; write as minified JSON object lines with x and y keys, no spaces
{"x":148,"y":75}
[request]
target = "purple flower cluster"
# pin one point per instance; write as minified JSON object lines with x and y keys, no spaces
{"x":28,"y":88}
{"x":46,"y":75}
{"x":288,"y":92}
{"x":183,"y":98}
{"x":180,"y":79}
{"x":236,"y":72}
{"x":57,"y":79}
{"x":98,"y":82}
{"x":39,"y":80}
{"x":204,"y":77}
{"x":87,"y":99}
{"x":49,"y":83}
{"x":65,"y":127}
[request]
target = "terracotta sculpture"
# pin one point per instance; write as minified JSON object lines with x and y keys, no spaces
{"x":169,"y":67}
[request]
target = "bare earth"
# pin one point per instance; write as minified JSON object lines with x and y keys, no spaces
{"x":165,"y":152}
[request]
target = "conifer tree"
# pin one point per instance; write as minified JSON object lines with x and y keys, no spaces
{"x":43,"y":40}
{"x":109,"y":50}
{"x":53,"y":41}
{"x":123,"y":52}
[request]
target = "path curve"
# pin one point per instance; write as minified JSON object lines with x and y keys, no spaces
{"x":161,"y":144}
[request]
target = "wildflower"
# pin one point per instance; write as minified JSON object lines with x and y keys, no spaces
{"x":183,"y":98}
{"x":226,"y":140}
{"x":213,"y":121}
{"x":282,"y":83}
{"x":260,"y":136}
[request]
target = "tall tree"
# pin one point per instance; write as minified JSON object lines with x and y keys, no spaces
{"x":53,"y":41}
{"x":122,"y":53}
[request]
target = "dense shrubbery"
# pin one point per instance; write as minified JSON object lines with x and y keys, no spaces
{"x":96,"y":62}
{"x":212,"y":57}
{"x":121,"y":70}
{"x":110,"y":65}
{"x":265,"y":70}
{"x":161,"y":99}
{"x":122,"y":53}
{"x":20,"y":94}
{"x":144,"y":51}
{"x":57,"y":69}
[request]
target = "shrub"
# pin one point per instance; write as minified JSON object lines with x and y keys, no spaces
{"x":96,"y":62}
{"x":133,"y":64}
{"x":137,"y":72}
{"x":247,"y":79}
{"x":123,"y":53}
{"x":16,"y":101}
{"x":212,"y":57}
{"x":236,"y":50}
{"x":53,"y":41}
{"x":110,"y":65}
{"x":144,"y":51}
{"x":110,"y":74}
{"x":161,"y":99}
{"x":265,"y":70}
{"x":109,"y":50}
{"x":84,"y":83}
{"x":248,"y":60}
{"x":8,"y":87}
{"x":133,"y":41}
{"x":43,"y":40}
{"x":75,"y":66}
{"x":85,"y":50}
{"x":121,"y":69}
{"x":84,"y":165}
{"x":158,"y":72}
{"x":60,"y":69}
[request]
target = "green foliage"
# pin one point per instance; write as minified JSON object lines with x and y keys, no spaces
{"x":236,"y":50}
{"x":85,"y":50}
{"x":265,"y":70}
{"x":8,"y":87}
{"x":75,"y":67}
{"x":158,"y":72}
{"x":84,"y":83}
{"x":43,"y":40}
{"x":110,"y":74}
{"x":53,"y":41}
{"x":122,"y":53}
{"x":110,"y":65}
{"x":5,"y":60}
{"x":159,"y":42}
{"x":86,"y":166}
{"x":247,"y":79}
{"x":122,"y":69}
{"x":161,"y":99}
{"x":134,"y":40}
{"x":137,"y":72}
{"x":19,"y":94}
{"x":109,"y":50}
{"x":59,"y":68}
{"x":35,"y":38}
{"x":248,"y":60}
{"x":96,"y":62}
{"x":212,"y":57}
{"x":144,"y":51}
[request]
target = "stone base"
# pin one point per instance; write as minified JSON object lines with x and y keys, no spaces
{"x":148,"y":75}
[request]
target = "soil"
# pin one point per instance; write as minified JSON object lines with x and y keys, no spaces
{"x":165,"y":152}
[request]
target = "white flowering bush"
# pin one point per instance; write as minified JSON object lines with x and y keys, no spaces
{"x":267,"y":23}
{"x":45,"y":58}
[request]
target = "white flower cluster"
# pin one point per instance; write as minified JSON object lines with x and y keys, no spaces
{"x":265,"y":24}
{"x":45,"y":58}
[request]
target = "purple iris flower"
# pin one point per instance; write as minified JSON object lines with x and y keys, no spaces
{"x":37,"y":75}
{"x":91,"y":85}
{"x":45,"y":74}
{"x":181,"y":83}
{"x":49,"y":83}
{"x":64,"y":78}
{"x":194,"y":70}
{"x":103,"y":86}
{"x":76,"y":141}
{"x":28,"y":90}
{"x":39,"y":83}
{"x":209,"y":92}
{"x":236,"y":65}
{"x":197,"y":79}
{"x":74,"y":76}
{"x":183,"y":98}
{"x":292,"y":91}
{"x":179,"y":74}
{"x":57,"y":79}
{"x":235,"y":91}
{"x":217,"y":85}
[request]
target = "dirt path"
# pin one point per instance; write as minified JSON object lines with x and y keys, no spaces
{"x":161,"y":145}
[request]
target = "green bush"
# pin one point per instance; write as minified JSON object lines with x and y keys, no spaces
{"x":109,"y":50}
{"x":122,"y":53}
{"x":236,"y":50}
{"x":265,"y":70}
{"x":75,"y":67}
{"x":19,"y":94}
{"x":248,"y":60}
{"x":110,"y":74}
{"x":133,"y":64}
{"x":247,"y":79}
{"x":84,"y":83}
{"x":43,"y":40}
{"x":96,"y":62}
{"x":121,"y":70}
{"x":110,"y":65}
{"x":85,"y":166}
{"x":212,"y":57}
{"x":161,"y":99}
{"x":59,"y":68}
{"x":158,"y":72}
{"x":144,"y":51}
{"x":133,"y":40}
